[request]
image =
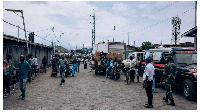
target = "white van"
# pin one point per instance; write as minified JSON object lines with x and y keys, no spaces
{"x":126,"y":62}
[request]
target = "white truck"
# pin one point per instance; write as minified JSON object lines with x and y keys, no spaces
{"x":111,"y":47}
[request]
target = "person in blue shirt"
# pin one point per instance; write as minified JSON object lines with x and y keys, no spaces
{"x":63,"y":63}
{"x":74,"y":68}
{"x":108,"y":67}
{"x":24,"y":68}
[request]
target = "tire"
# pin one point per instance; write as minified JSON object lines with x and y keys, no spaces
{"x":51,"y":74}
{"x":188,"y":90}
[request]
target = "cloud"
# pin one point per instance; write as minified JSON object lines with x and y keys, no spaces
{"x":74,"y":18}
{"x":121,"y":7}
{"x":142,"y":6}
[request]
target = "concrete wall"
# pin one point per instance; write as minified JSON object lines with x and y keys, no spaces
{"x":11,"y":45}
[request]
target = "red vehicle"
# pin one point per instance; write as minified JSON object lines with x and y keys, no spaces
{"x":186,"y":61}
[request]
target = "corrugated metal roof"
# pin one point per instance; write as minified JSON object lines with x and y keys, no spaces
{"x":191,"y":33}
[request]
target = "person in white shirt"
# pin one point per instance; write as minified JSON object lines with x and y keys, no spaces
{"x":148,"y":75}
{"x":138,"y":67}
{"x":132,"y":68}
{"x":35,"y":64}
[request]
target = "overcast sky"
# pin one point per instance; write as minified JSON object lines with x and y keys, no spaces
{"x":143,"y":20}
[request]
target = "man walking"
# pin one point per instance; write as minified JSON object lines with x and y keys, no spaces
{"x":63,"y":64}
{"x":29,"y":72}
{"x":24,"y":68}
{"x":35,"y":64}
{"x":132,"y":68}
{"x":7,"y":74}
{"x":169,"y":75}
{"x":148,"y":75}
{"x":44,"y":63}
{"x":138,"y":67}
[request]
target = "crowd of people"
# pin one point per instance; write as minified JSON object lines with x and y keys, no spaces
{"x":25,"y":72}
{"x":61,"y":64}
{"x":28,"y":67}
{"x":148,"y":75}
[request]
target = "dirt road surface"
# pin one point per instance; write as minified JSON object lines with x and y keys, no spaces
{"x":86,"y":91}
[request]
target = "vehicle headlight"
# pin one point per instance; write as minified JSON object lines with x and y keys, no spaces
{"x":195,"y":75}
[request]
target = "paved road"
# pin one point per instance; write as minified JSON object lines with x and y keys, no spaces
{"x":86,"y":91}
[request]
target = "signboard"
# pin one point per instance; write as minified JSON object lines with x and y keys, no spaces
{"x":156,"y":55}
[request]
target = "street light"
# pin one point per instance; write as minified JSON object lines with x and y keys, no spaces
{"x":21,"y":11}
{"x":60,"y":42}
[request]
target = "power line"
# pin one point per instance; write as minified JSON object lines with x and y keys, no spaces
{"x":108,"y":9}
{"x":161,"y":21}
{"x":12,"y":24}
{"x":94,"y":10}
{"x":150,"y":14}
{"x":22,"y":29}
{"x":41,"y":30}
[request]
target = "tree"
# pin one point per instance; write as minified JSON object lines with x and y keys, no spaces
{"x":146,"y":45}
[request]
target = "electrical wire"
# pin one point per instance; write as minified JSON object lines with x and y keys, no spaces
{"x":149,"y":14}
{"x":23,"y":29}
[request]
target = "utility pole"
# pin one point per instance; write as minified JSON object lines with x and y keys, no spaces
{"x":21,"y":11}
{"x":195,"y":38}
{"x":128,"y":38}
{"x":18,"y":33}
{"x":195,"y":13}
{"x":25,"y":32}
{"x":83,"y":48}
{"x":93,"y":31}
{"x":93,"y":39}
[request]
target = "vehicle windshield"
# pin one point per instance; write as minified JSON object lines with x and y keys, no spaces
{"x":185,"y":58}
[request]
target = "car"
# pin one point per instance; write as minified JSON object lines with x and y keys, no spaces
{"x":185,"y":60}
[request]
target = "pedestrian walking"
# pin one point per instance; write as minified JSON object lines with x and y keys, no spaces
{"x":78,"y":63}
{"x":85,"y":64}
{"x":7,"y":65}
{"x":35,"y":64}
{"x":132,"y":68}
{"x":148,"y":75}
{"x":29,"y":72}
{"x":44,"y":63}
{"x":138,"y":67}
{"x":74,"y":67}
{"x":63,"y":63}
{"x":169,"y":77}
{"x":24,"y":68}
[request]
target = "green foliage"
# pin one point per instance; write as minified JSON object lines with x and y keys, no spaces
{"x":146,"y":45}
